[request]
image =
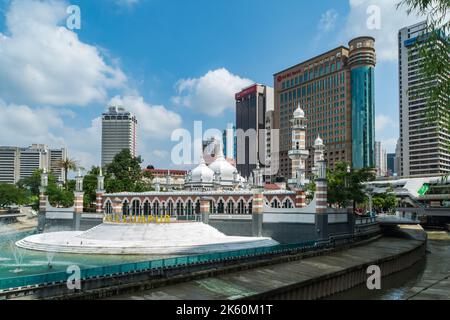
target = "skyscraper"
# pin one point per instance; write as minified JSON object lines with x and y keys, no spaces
{"x":252,"y":103}
{"x":380,"y":159}
{"x":118,"y":133}
{"x":423,"y":144}
{"x":390,"y":164}
{"x":229,"y":140}
{"x":336,"y":91}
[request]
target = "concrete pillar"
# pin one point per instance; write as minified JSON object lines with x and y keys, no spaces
{"x":257,"y":213}
{"x":117,"y":208}
{"x":204,"y":209}
{"x":321,"y":209}
{"x":300,"y":198}
{"x":42,"y":209}
{"x":78,"y":209}
{"x":99,"y":201}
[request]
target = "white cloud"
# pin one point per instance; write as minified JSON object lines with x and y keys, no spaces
{"x":390,"y":22}
{"x":23,"y":126}
{"x":328,"y":20}
{"x":19,"y":122}
{"x":42,"y":62}
{"x":211,"y":94}
{"x":382,"y":122}
{"x":155,"y":122}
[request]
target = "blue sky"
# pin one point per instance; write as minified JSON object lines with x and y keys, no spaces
{"x":171,"y":62}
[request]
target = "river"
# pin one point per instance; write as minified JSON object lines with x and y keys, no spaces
{"x":427,"y":279}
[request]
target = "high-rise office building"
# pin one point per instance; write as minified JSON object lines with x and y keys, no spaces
{"x":229,"y":140}
{"x":380,"y":159}
{"x":423,"y":144}
{"x":252,"y":103}
{"x":336,"y":91}
{"x":118,"y":133}
{"x":33,"y":158}
{"x":390,"y":163}
{"x":20,"y":163}
{"x":9,"y":165}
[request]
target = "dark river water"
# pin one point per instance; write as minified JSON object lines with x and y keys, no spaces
{"x":430,"y":270}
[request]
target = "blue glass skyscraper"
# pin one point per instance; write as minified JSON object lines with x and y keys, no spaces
{"x":362,"y":63}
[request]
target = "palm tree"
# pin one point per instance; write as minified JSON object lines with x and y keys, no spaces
{"x":68,"y":165}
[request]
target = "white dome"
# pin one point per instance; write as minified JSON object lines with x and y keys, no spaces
{"x":318,"y":141}
{"x":299,"y":113}
{"x":202,"y":173}
{"x":225,"y":170}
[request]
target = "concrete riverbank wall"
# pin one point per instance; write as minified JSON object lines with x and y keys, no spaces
{"x":309,"y":277}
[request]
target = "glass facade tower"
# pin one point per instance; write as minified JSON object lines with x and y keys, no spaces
{"x":362,"y":64}
{"x":363,"y":115}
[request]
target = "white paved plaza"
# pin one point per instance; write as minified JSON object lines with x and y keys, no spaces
{"x":170,"y":238}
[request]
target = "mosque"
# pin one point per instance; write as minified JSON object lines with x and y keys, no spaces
{"x":217,"y":210}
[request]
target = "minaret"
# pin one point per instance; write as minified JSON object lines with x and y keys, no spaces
{"x":319,"y":150}
{"x":100,"y":192}
{"x":298,"y":153}
{"x":79,"y":194}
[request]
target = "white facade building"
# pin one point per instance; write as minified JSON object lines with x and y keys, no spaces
{"x":9,"y":165}
{"x":20,"y":163}
{"x":380,"y":159}
{"x":423,"y":149}
{"x":118,"y":133}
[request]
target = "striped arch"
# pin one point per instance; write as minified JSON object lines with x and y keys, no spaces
{"x":276,"y":201}
{"x":289,"y":200}
{"x":107,"y":200}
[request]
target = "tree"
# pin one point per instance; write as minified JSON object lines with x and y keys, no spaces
{"x":347,"y":187}
{"x":90,"y":187}
{"x":57,"y":196}
{"x":378,"y":202}
{"x":11,"y":194}
{"x":124,"y":173}
{"x":67,"y":165}
{"x":434,"y":47}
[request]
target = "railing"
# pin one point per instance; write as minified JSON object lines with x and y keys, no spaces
{"x":60,"y":277}
{"x":368,"y":220}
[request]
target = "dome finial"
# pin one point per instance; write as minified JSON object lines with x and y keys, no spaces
{"x":299,"y":113}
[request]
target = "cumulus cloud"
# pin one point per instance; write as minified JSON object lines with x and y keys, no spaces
{"x":23,"y":126}
{"x":42,"y":62}
{"x":328,"y":20}
{"x":155,"y":122}
{"x":380,"y":19}
{"x":212,"y":93}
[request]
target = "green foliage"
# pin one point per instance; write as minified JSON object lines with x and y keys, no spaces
{"x":124,"y":173}
{"x":344,"y":187}
{"x":89,"y":188}
{"x":57,"y":196}
{"x":11,"y":195}
{"x":385,"y":202}
{"x":68,"y":165}
{"x":310,"y":190}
